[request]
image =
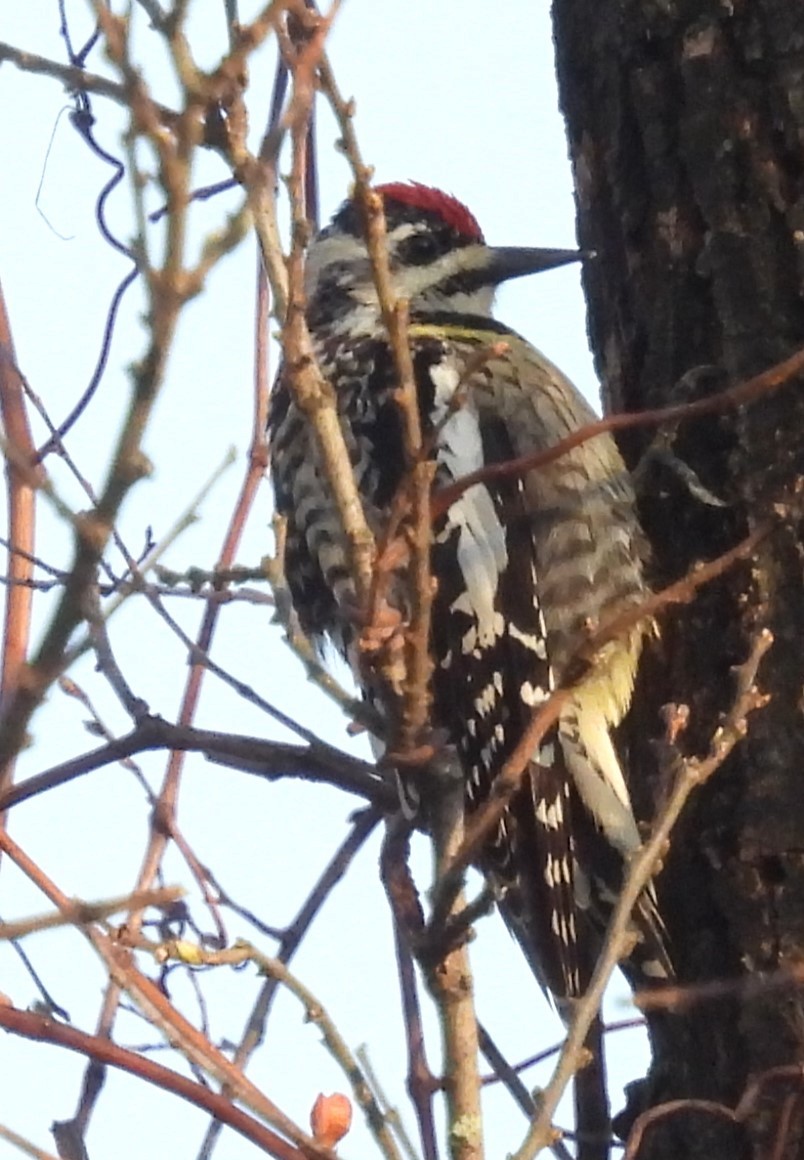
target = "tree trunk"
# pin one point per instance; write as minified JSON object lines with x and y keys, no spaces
{"x":686,"y":129}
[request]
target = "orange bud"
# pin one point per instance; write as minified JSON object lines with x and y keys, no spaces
{"x":331,"y":1119}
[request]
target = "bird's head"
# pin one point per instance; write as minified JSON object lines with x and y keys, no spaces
{"x":438,"y":258}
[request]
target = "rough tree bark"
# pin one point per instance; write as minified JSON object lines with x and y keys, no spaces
{"x":686,"y":130}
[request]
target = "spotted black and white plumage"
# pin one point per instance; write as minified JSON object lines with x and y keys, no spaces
{"x":522,"y":565}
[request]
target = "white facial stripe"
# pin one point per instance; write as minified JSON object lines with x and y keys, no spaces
{"x":410,"y":282}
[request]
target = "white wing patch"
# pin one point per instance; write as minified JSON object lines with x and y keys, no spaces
{"x":530,"y":640}
{"x":550,"y":816}
{"x":487,"y":699}
{"x":532,"y":694}
{"x":481,"y":551}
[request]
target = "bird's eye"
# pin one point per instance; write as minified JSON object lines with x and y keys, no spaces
{"x":418,"y":249}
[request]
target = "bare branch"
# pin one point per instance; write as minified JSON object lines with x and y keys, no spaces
{"x":269,"y":759}
{"x":252,"y":1037}
{"x":151,"y":1000}
{"x":85,"y":912}
{"x":75,"y":79}
{"x":104,"y":1051}
{"x":314,"y":1013}
{"x":21,"y":521}
{"x":24,"y":1145}
{"x":740,"y":395}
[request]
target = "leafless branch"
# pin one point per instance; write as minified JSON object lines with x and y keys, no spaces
{"x":24,"y":1145}
{"x":270,"y":759}
{"x":103,"y":1051}
{"x":314,"y":1013}
{"x":739,"y":395}
{"x":150,"y":999}
{"x":362,"y":826}
{"x":75,"y":79}
{"x":85,"y":912}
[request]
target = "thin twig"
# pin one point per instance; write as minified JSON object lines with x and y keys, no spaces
{"x":76,"y":79}
{"x":291,"y":938}
{"x":85,"y":912}
{"x":270,"y":759}
{"x":739,"y":395}
{"x":24,"y":1145}
{"x":314,"y":1013}
{"x":107,"y":1053}
{"x":167,"y":294}
{"x":21,"y":522}
{"x":151,"y":1000}
{"x":134,"y":583}
{"x":390,"y":1113}
{"x":671,"y":1108}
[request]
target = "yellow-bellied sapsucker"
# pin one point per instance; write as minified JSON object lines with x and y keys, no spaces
{"x":523,"y":565}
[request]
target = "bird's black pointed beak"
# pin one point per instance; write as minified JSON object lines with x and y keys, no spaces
{"x":514,"y":261}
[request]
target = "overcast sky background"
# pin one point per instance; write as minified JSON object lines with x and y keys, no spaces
{"x":456,"y":95}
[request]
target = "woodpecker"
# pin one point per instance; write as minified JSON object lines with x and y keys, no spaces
{"x":523,"y":564}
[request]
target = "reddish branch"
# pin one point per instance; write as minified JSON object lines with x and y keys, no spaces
{"x":21,"y":522}
{"x":158,"y":1009}
{"x":103,"y":1051}
{"x":739,"y":395}
{"x":409,"y":929}
{"x":165,"y":811}
{"x":787,"y":1073}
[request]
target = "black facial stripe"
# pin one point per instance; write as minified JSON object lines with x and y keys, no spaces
{"x":465,"y":282}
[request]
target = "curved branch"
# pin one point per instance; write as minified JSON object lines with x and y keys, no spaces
{"x":739,"y":395}
{"x":103,"y":1051}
